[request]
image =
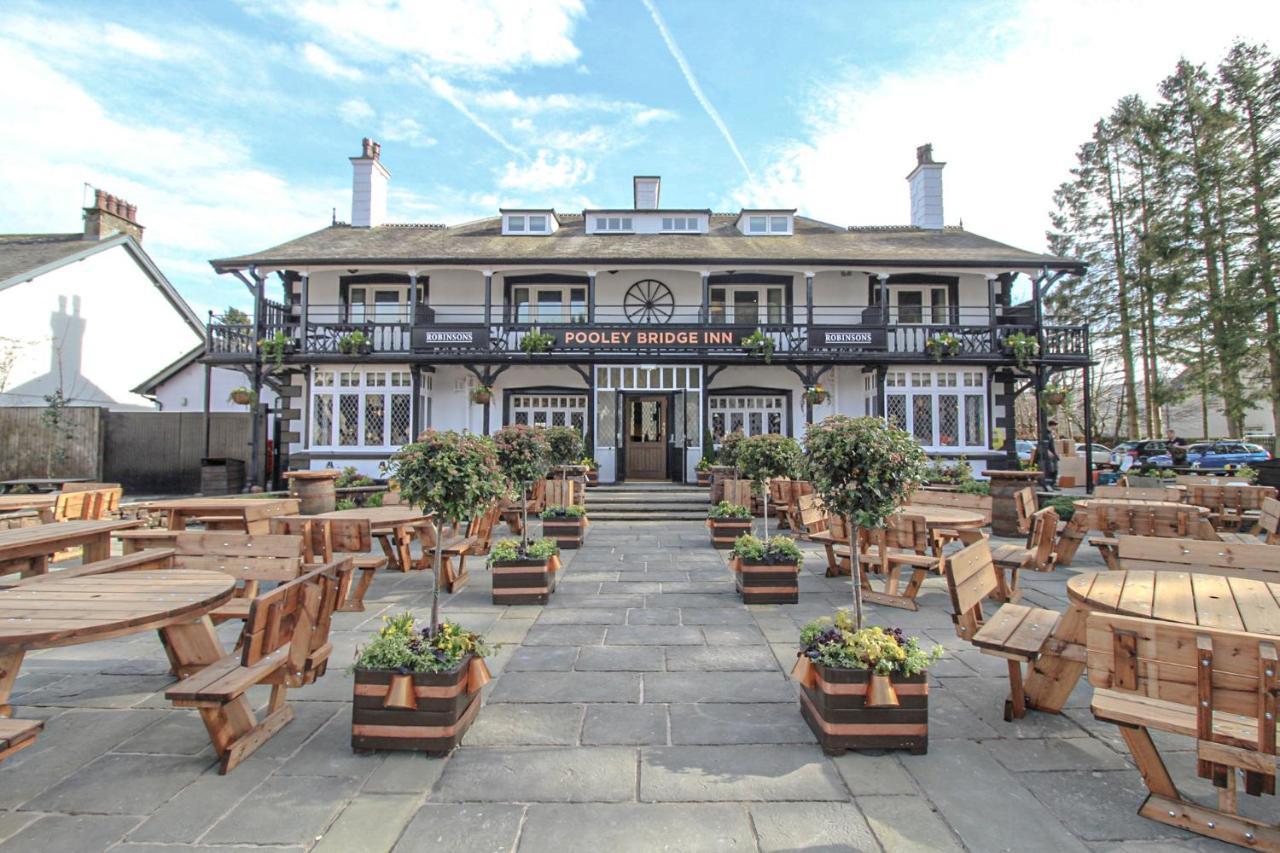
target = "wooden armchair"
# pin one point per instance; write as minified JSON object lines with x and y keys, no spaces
{"x":1037,"y":555}
{"x":285,"y":644}
{"x":903,"y":544}
{"x":249,"y":559}
{"x":1216,"y":686}
{"x":326,"y":540}
{"x":1025,"y":505}
{"x":811,"y":516}
{"x":1014,"y":632}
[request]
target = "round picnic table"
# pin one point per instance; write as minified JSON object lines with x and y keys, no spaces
{"x":952,"y":518}
{"x":49,"y":611}
{"x":1188,"y":598}
{"x":395,"y":528}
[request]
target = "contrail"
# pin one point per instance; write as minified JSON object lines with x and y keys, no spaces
{"x":447,"y":92}
{"x":678,"y":56}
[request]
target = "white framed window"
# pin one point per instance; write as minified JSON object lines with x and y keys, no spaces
{"x":753,"y":414}
{"x":613,"y":223}
{"x":747,"y":304}
{"x":942,"y":409}
{"x":680,"y":223}
{"x":779,"y":224}
{"x":361,"y":408}
{"x":757,"y":224}
{"x":538,"y":222}
{"x":548,"y":410}
{"x":515,"y":223}
{"x":919,"y":305}
{"x":684,"y":381}
{"x":549,"y":304}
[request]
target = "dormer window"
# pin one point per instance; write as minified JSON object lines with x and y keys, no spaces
{"x":528,"y":223}
{"x":538,"y":223}
{"x":773,"y":222}
{"x":680,"y":223}
{"x":614,"y":223}
{"x":757,"y":224}
{"x":779,"y":224}
{"x":515,"y":223}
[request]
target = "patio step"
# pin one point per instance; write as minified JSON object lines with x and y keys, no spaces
{"x":646,"y":502}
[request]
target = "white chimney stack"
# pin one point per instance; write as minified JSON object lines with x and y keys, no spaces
{"x":645,"y":191}
{"x":368,"y":186}
{"x":926,"y":190}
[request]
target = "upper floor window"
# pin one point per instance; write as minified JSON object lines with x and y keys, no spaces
{"x":927,"y":304}
{"x":613,"y":223}
{"x":757,"y":224}
{"x":521,"y":223}
{"x":779,"y":224}
{"x":680,"y":223}
{"x":549,"y":304}
{"x":747,"y":305}
{"x":538,"y":223}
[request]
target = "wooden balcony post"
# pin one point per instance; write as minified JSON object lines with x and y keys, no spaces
{"x":488,"y":298}
{"x":706,"y":296}
{"x":808,"y":298}
{"x":303,"y":332}
{"x":991,"y":313}
{"x":591,"y":296}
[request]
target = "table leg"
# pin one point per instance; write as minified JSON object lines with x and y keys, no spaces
{"x":393,"y":558}
{"x":99,"y":548}
{"x":1054,"y":675}
{"x":404,"y":538}
{"x":10,"y":663}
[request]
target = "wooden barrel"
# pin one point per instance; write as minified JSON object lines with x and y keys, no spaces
{"x":315,"y":490}
{"x":1004,"y":512}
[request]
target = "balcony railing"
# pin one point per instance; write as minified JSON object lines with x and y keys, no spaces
{"x":658,"y":330}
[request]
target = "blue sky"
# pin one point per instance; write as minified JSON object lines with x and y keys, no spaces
{"x":229,"y":123}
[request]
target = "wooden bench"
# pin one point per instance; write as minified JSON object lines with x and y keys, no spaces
{"x":16,"y":735}
{"x":1254,"y":560}
{"x":1037,"y":555}
{"x":902,"y":545}
{"x":1014,"y":632}
{"x":1170,"y":494}
{"x":249,"y":559}
{"x":1231,"y":507}
{"x":155,"y":558}
{"x":285,"y":643}
{"x":326,"y":540}
{"x":738,"y":492}
{"x":1216,"y":686}
{"x":1025,"y":505}
{"x":811,"y":516}
{"x":480,"y":529}
{"x":799,"y":489}
{"x":959,"y":500}
{"x":535,"y":502}
{"x":1113,"y":518}
{"x":132,"y":541}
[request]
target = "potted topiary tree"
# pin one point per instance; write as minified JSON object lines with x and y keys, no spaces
{"x":761,"y":458}
{"x":766,"y":571}
{"x":725,"y":464}
{"x":451,"y":475}
{"x":564,"y":450}
{"x":523,"y":453}
{"x":523,"y":571}
{"x":863,"y":469}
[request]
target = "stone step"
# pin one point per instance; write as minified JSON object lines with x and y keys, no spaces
{"x":644,"y":497}
{"x":649,"y":516}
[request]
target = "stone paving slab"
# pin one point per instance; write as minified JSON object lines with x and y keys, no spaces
{"x":644,"y":707}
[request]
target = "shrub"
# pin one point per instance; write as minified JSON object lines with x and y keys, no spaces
{"x":1065,"y":505}
{"x":351,"y":477}
{"x":724,"y":509}
{"x":729,"y":445}
{"x":564,"y":445}
{"x":975,"y":487}
{"x":452,"y":475}
{"x":401,"y":647}
{"x":374,"y":500}
{"x":554,"y":512}
{"x":535,"y":340}
{"x":779,"y":549}
{"x":884,"y":651}
{"x":863,"y":469}
{"x":506,"y":550}
{"x":344,"y":503}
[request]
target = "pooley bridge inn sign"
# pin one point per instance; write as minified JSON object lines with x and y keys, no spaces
{"x":580,"y":337}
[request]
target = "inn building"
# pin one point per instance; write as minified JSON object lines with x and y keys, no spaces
{"x":653,"y":330}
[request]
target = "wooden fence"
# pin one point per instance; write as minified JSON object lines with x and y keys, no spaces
{"x":146,"y":452}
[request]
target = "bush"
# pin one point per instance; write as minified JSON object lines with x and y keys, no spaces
{"x":505,"y":550}
{"x":351,"y":477}
{"x":975,"y":487}
{"x":564,"y":445}
{"x":778,"y":549}
{"x":554,"y":512}
{"x":763,"y":457}
{"x":373,"y":500}
{"x":344,"y":503}
{"x":1065,"y":505}
{"x":724,"y":509}
{"x":400,"y":647}
{"x":884,"y":651}
{"x":729,"y":445}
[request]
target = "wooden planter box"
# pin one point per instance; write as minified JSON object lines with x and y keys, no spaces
{"x":445,"y":706}
{"x":768,"y":583}
{"x":725,"y":530}
{"x":833,"y":703}
{"x":593,"y":477}
{"x":524,"y":581}
{"x":704,"y":477}
{"x":568,"y":532}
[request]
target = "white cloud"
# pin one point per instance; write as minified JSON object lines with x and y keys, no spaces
{"x":1007,"y":108}
{"x":82,"y":36}
{"x":462,"y":36}
{"x":651,"y":115}
{"x":444,"y":89}
{"x":355,"y":111}
{"x":321,"y":60}
{"x":678,"y":55}
{"x":408,"y":131}
{"x":545,"y":172}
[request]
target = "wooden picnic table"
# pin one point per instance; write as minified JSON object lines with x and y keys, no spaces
{"x":393,"y":526}
{"x":68,"y":611}
{"x":28,"y":549}
{"x":945,"y":517}
{"x":1188,"y":598}
{"x":10,"y":503}
{"x":256,"y":512}
{"x":40,"y":484}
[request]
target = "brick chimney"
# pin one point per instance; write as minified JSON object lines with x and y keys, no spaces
{"x":926,"y":190}
{"x":368,"y":186}
{"x":110,"y":216}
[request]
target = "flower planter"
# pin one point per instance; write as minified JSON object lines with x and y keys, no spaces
{"x":524,"y":581}
{"x":704,"y":477}
{"x":767,"y":583}
{"x":725,"y":530}
{"x":423,"y":712}
{"x":834,"y":702}
{"x":593,"y":477}
{"x":568,"y":532}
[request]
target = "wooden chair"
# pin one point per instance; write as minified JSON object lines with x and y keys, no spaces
{"x":799,"y":489}
{"x":249,"y":559}
{"x":1257,"y":561}
{"x":481,"y":530}
{"x":1231,"y":507}
{"x":1116,"y":518}
{"x":811,"y":516}
{"x":1269,"y":521}
{"x":739,"y":492}
{"x":1037,"y":554}
{"x":285,"y":643}
{"x":75,"y":506}
{"x":903,"y":544}
{"x":1216,"y":686}
{"x":132,"y":541}
{"x":1014,"y":632}
{"x":1170,"y":495}
{"x":1025,"y":505}
{"x":326,"y":540}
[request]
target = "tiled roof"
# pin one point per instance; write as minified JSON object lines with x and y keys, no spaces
{"x":482,"y":242}
{"x":22,"y":253}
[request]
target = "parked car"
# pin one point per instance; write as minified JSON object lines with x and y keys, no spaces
{"x":1138,"y":451}
{"x":1101,"y":454}
{"x":1218,"y":454}
{"x":1025,"y":449}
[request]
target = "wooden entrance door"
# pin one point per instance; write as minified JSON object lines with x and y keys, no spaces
{"x":646,"y":426}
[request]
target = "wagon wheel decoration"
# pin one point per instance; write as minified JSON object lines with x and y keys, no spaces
{"x":649,"y":301}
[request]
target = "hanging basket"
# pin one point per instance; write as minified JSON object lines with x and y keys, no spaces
{"x":242,"y":396}
{"x":481,"y":396}
{"x":1054,"y":398}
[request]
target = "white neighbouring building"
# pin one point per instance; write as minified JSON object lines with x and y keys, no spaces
{"x":646,"y":308}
